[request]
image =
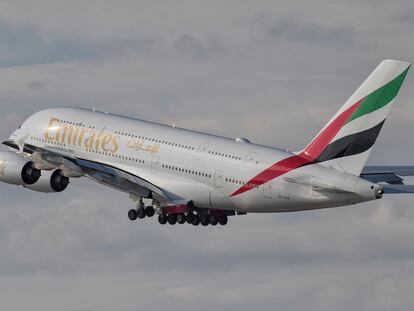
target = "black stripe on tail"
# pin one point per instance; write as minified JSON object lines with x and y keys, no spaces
{"x":350,"y":145}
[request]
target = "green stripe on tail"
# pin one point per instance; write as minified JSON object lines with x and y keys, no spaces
{"x":380,"y":97}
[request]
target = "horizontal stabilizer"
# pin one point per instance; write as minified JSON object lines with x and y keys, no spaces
{"x":387,"y":174}
{"x":401,"y":170}
{"x":389,"y":178}
{"x":398,"y":189}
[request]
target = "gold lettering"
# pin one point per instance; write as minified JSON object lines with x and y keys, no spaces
{"x":75,"y":137}
{"x":80,"y":139}
{"x":90,"y":140}
{"x":115,"y":142}
{"x":105,"y":141}
{"x":67,"y":130}
{"x":139,"y":146}
{"x":98,"y":138}
{"x":53,"y":126}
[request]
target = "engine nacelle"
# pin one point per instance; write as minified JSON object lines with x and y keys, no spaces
{"x":16,"y":170}
{"x":50,"y":181}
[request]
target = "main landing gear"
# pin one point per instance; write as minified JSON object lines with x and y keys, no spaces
{"x":180,"y":218}
{"x":193,"y":219}
{"x":193,"y":216}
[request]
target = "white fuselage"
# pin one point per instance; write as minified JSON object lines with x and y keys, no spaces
{"x":203,"y":168}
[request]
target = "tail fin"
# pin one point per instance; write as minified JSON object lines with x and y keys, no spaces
{"x":346,"y":141}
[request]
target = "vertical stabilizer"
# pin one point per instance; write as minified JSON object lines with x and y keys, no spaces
{"x":346,"y":141}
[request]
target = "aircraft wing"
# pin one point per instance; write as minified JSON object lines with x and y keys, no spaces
{"x":103,"y":173}
{"x":122,"y":180}
{"x":392,"y":176}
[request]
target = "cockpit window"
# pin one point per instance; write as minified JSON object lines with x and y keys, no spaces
{"x":19,"y":126}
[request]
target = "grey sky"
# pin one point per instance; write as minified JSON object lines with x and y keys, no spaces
{"x":272,"y":72}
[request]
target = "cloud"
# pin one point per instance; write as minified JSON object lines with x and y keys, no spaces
{"x":28,"y":44}
{"x":191,"y":46}
{"x":299,"y":30}
{"x":312,"y":33}
{"x":25,"y":44}
{"x":404,"y":17}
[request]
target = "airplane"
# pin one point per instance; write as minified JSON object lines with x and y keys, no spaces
{"x":199,"y":178}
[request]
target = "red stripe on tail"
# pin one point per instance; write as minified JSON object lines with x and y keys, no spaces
{"x":309,"y":154}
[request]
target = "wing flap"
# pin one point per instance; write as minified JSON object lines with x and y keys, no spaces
{"x":122,"y":180}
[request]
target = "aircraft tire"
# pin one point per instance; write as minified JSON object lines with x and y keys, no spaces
{"x":204,"y":220}
{"x":149,"y":211}
{"x":162,"y":219}
{"x":132,"y":214}
{"x":196,"y":220}
{"x":223,"y":220}
{"x":141,"y":213}
{"x":213,"y":220}
{"x":172,"y":219}
{"x":181,"y":218}
{"x":190,"y":218}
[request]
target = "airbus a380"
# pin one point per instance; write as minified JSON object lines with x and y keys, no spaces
{"x":198,"y":178}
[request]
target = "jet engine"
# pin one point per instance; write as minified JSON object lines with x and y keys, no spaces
{"x":50,"y":181}
{"x":16,"y":170}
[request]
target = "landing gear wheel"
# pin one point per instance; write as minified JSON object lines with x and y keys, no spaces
{"x":162,"y":219}
{"x":172,"y":219}
{"x":181,"y":218}
{"x":223,"y":220}
{"x":141,"y":213}
{"x":132,"y":214}
{"x":204,"y":220}
{"x":149,"y":211}
{"x":196,"y":220}
{"x":213,"y":220}
{"x":190,"y":218}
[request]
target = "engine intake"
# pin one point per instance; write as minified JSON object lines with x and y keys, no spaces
{"x":30,"y":175}
{"x":58,"y":181}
